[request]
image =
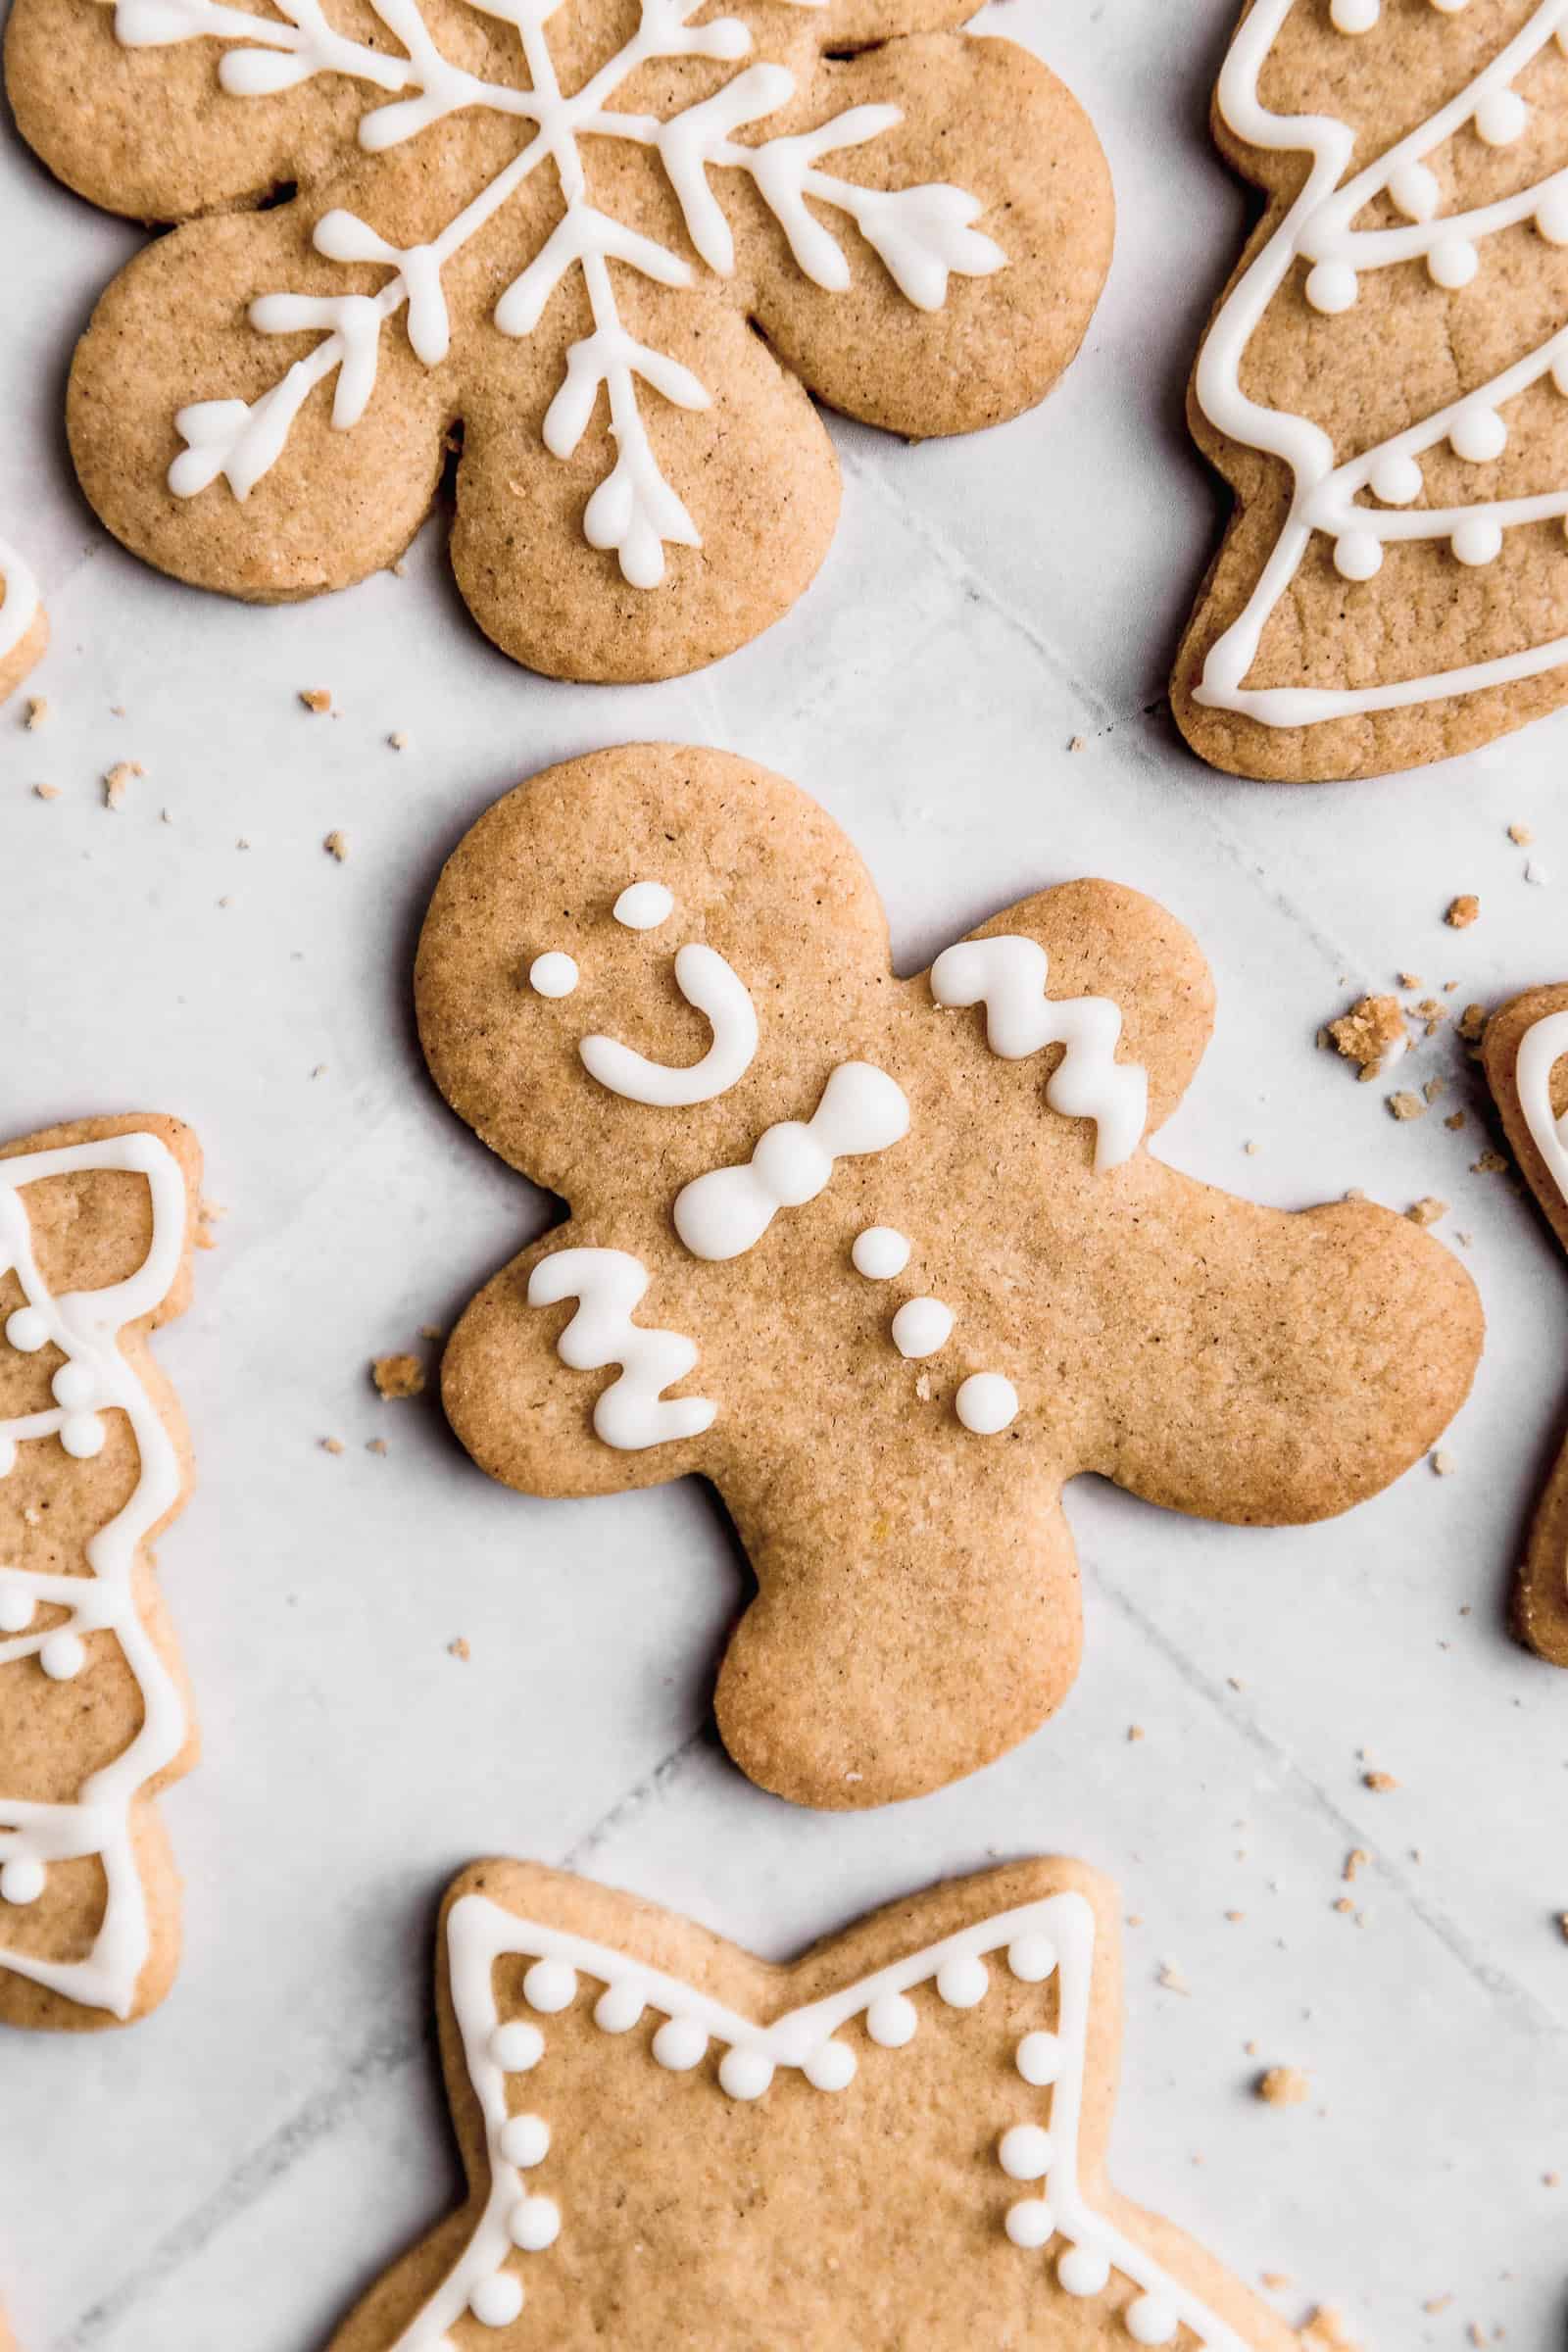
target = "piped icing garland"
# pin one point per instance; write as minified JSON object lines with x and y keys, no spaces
{"x":1541,"y":1049}
{"x":727,"y":1211}
{"x":1036,"y":2145}
{"x":94,"y":1378}
{"x":922,"y":234}
{"x":19,"y":609}
{"x":1330,"y":497}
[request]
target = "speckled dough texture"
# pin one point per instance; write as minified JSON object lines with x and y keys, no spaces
{"x":864,"y":2219}
{"x":89,"y":1232}
{"x":1395,"y":361}
{"x":150,"y":132}
{"x":1541,"y":1597}
{"x":917,"y":1609}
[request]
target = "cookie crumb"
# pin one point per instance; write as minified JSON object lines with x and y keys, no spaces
{"x":459,"y":1649}
{"x":1471,"y":1023}
{"x":398,"y":1376}
{"x":1434,"y":1089}
{"x":1462,"y":912}
{"x":1282,"y":2087}
{"x":1409,"y":980}
{"x":1076,"y":744}
{"x":375,"y":1446}
{"x":1325,"y":2332}
{"x":332,"y":1445}
{"x":1356,"y":1859}
{"x":431,"y":1332}
{"x":1454,"y":1121}
{"x":1170,"y":1976}
{"x":399,"y":569}
{"x":1426,"y":1210}
{"x":1491,"y":1163}
{"x":1521,"y":836}
{"x":1407,"y":1105}
{"x":37,"y":713}
{"x":1372,"y":1034}
{"x":1442,"y":1463}
{"x":47,"y":792}
{"x":320,"y":1070}
{"x":398,"y":740}
{"x":316,"y":699}
{"x":118,"y":780}
{"x":1135,"y":1731}
{"x":1562,"y":1922}
{"x":1379,"y":1782}
{"x":336,"y":846}
{"x":1276,"y":2280}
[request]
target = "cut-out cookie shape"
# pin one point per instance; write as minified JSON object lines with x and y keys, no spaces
{"x":895,"y":1268}
{"x":1385,"y":388}
{"x":617,"y":246}
{"x":898,"y":2140}
{"x":96,"y":1225}
{"x":24,"y":623}
{"x":1526,"y":1056}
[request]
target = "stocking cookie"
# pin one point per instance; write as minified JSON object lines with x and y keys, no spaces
{"x":883,"y":1258}
{"x":24,"y":623}
{"x":1525,"y":1054}
{"x":1385,"y":389}
{"x":95,"y":1248}
{"x":901,"y":2139}
{"x":614,"y":246}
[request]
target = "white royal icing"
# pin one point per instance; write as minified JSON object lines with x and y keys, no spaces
{"x":20,"y":606}
{"x":1054,"y":1936}
{"x":1542,"y":1046}
{"x":1327,"y":498}
{"x":95,"y":1378}
{"x":713,"y":989}
{"x":1008,"y":975}
{"x":921,"y":1326}
{"x":633,"y":1412}
{"x":554,"y":974}
{"x":880,"y":1253}
{"x":922,"y":234}
{"x":986,"y":1402}
{"x":644,"y":906}
{"x":727,"y":1212}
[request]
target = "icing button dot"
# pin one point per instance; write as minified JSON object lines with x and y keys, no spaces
{"x":644,"y":906}
{"x":82,"y":1435}
{"x":1083,"y":2271}
{"x":891,"y":2020}
{"x":962,"y":1981}
{"x":553,"y":974}
{"x":524,"y":2140}
{"x":679,"y":2044}
{"x":497,"y":2300}
{"x":1500,"y":117}
{"x":987,"y":1403}
{"x":27,"y":1330}
{"x":21,"y":1880}
{"x":832,"y":2067}
{"x":1332,"y":287}
{"x":618,"y":2008}
{"x":1354,"y":16}
{"x":1150,"y":2320}
{"x":880,"y":1253}
{"x":63,"y":1657}
{"x":921,"y":1326}
{"x":550,"y":1985}
{"x":1415,"y":191}
{"x":1024,"y":2152}
{"x":73,"y":1385}
{"x":1032,"y":1959}
{"x":1397,"y":479}
{"x":1357,"y":555}
{"x":16,"y":1608}
{"x":745,"y":2074}
{"x":534,"y":2223}
{"x":517,"y":2048}
{"x":1039,"y":2059}
{"x":1452,"y":262}
{"x":1030,"y":2222}
{"x":1478,"y":435}
{"x":1477,"y":540}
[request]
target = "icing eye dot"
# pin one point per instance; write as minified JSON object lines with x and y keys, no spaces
{"x":1500,"y":117}
{"x":1025,"y":2153}
{"x":63,"y":1657}
{"x":73,"y":1385}
{"x":1083,"y":2271}
{"x":644,"y":906}
{"x":1357,"y":555}
{"x":1415,"y":191}
{"x":524,"y":2140}
{"x":534,"y":2223}
{"x":1149,"y":2321}
{"x":1452,"y":262}
{"x":21,"y":1880}
{"x":82,"y":1435}
{"x":16,"y":1608}
{"x":1397,"y":479}
{"x":891,"y":2020}
{"x":1551,"y":215}
{"x":680,"y":2045}
{"x":550,"y":1985}
{"x":1032,"y":1959}
{"x":497,"y":2300}
{"x":986,"y":1404}
{"x":553,"y":974}
{"x":879,"y":1253}
{"x":1354,"y":16}
{"x":1039,"y":2059}
{"x":832,"y":2067}
{"x":27,"y":1330}
{"x":517,"y":2048}
{"x":962,"y":1981}
{"x":1478,"y":435}
{"x":1030,"y":2222}
{"x":1477,"y":540}
{"x":1332,"y":287}
{"x":921,"y":1326}
{"x":618,"y":2008}
{"x":745,"y":2074}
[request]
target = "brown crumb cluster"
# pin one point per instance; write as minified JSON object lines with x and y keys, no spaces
{"x":1370,"y":1034}
{"x":1462,"y":912}
{"x":1407,"y":1105}
{"x":316,"y":699}
{"x":1380,"y":1782}
{"x":1426,"y":1211}
{"x":398,"y":1376}
{"x":1283,"y":2086}
{"x":118,"y":780}
{"x":1471,"y":1023}
{"x":336,"y":846}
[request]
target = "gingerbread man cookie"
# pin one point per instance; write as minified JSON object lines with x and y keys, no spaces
{"x":612,"y":248}
{"x":1525,"y":1057}
{"x":1383,"y":387}
{"x":96,"y":1225}
{"x":898,"y":2140}
{"x":24,"y":623}
{"x":885,"y":1259}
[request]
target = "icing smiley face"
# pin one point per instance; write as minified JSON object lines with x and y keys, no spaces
{"x":905,"y":1274}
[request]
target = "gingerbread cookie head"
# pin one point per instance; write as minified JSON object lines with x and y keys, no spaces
{"x":883,"y":1258}
{"x":1382,"y":388}
{"x":96,"y":1221}
{"x":24,"y":624}
{"x":614,"y":246}
{"x":901,"y":2139}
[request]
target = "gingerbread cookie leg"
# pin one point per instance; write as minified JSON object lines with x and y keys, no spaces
{"x":24,"y":623}
{"x":96,"y":1224}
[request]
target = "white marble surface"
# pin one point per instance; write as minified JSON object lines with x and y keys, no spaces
{"x":234,"y":2171}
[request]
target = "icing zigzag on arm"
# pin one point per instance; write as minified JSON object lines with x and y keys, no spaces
{"x":633,"y":1412}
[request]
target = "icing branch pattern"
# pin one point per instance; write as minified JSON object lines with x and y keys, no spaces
{"x":1053,"y":1939}
{"x":1329,"y":498}
{"x":921,"y":233}
{"x":20,"y":606}
{"x":93,"y":1379}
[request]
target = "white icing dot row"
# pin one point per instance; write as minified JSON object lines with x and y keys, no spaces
{"x":986,"y":1402}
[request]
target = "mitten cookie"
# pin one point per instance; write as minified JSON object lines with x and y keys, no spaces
{"x":1382,"y":388}
{"x":609,"y":250}
{"x":1526,"y":1052}
{"x":24,"y":623}
{"x":95,"y":1246}
{"x":883,"y":1258}
{"x":900,"y":2140}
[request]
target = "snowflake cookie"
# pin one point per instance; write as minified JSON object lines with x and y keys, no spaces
{"x":96,"y":1227}
{"x":913,"y":2122}
{"x":1526,"y":1052}
{"x":885,"y":1259}
{"x":1385,"y":388}
{"x":24,"y":623}
{"x":608,"y":248}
